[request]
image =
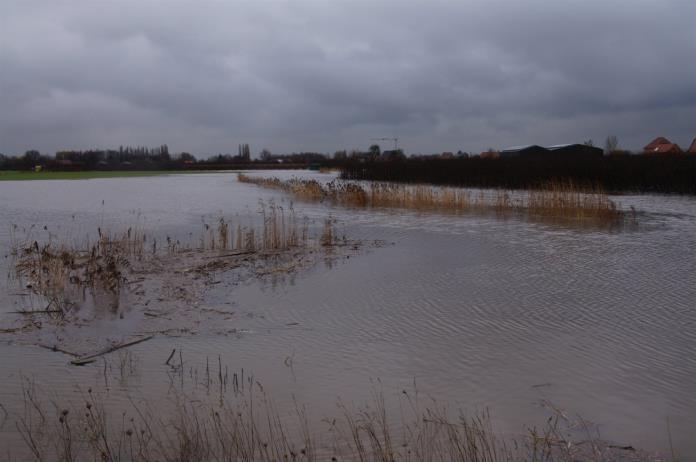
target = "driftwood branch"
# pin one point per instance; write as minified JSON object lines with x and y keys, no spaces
{"x":170,"y":357}
{"x":31,"y":312}
{"x":10,"y":330}
{"x":57,"y":348}
{"x":91,"y":358}
{"x":233,"y":254}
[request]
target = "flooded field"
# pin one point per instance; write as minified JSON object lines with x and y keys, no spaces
{"x":476,"y":310}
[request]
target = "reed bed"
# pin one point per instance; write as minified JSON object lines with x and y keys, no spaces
{"x":564,"y":200}
{"x":567,"y":200}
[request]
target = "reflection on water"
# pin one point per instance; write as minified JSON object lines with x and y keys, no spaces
{"x":478,"y":311}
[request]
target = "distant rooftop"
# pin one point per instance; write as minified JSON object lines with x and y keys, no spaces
{"x":521,"y":148}
{"x":667,"y":148}
{"x":656,"y":142}
{"x":692,"y":148}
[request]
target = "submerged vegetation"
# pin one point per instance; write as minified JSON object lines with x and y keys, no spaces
{"x":59,"y":270}
{"x":563,"y":200}
{"x":160,"y":279}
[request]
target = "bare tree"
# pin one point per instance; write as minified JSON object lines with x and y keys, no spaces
{"x":611,"y":144}
{"x":374,"y":151}
{"x":266,"y":155}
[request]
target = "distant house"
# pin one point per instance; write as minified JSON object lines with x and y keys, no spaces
{"x":490,"y":154}
{"x":669,"y":148}
{"x":447,"y":155}
{"x":528,"y":150}
{"x":650,"y":147}
{"x":692,"y":148}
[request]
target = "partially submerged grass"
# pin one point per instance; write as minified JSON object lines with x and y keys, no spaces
{"x":64,"y":273}
{"x":252,"y":429}
{"x":564,"y":200}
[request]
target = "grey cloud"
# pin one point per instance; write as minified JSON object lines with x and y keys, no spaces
{"x":309,"y":75}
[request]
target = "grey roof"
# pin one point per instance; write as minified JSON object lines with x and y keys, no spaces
{"x":521,"y":148}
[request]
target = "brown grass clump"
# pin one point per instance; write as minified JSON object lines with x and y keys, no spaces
{"x":563,"y":200}
{"x":60,"y":272}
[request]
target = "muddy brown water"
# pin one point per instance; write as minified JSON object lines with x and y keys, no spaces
{"x":477,"y":311}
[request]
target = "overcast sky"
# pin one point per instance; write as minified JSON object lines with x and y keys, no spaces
{"x":203,"y":76}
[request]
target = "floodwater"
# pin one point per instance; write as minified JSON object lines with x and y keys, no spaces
{"x":476,"y":311}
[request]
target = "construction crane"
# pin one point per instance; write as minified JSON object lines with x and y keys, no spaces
{"x":395,"y":140}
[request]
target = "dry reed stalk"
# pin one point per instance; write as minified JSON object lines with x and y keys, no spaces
{"x":223,"y":234}
{"x":328,"y":235}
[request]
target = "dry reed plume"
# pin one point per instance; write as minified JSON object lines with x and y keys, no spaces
{"x":557,"y":200}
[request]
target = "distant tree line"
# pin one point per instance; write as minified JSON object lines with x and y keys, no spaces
{"x":618,"y":171}
{"x":95,"y":159}
{"x":640,"y":173}
{"x":158,"y":158}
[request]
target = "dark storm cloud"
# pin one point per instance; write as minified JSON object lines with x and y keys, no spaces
{"x":323,"y":75}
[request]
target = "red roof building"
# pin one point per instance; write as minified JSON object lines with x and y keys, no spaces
{"x":650,"y":147}
{"x":692,"y":148}
{"x":669,"y":148}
